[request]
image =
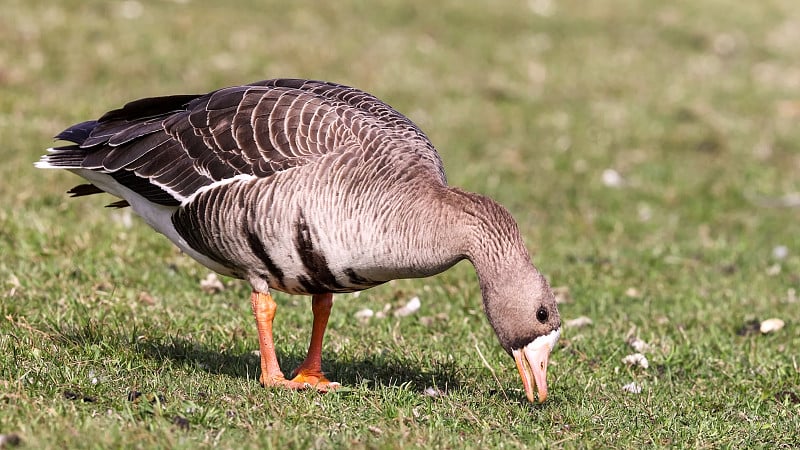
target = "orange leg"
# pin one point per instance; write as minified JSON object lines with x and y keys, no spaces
{"x":264,"y":308}
{"x":310,"y":371}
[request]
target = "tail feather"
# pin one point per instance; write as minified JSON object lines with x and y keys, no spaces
{"x":62,"y":159}
{"x":68,"y":156}
{"x":118,"y":204}
{"x":84,"y":189}
{"x":77,"y":133}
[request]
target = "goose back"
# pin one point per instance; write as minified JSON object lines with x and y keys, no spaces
{"x":167,"y":148}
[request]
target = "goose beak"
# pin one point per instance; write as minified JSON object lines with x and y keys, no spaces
{"x":532,"y":364}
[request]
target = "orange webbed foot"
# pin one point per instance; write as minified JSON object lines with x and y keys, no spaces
{"x":281,"y":382}
{"x":314,"y":380}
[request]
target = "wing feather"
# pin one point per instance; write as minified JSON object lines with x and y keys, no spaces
{"x":166,"y":148}
{"x":126,"y":155}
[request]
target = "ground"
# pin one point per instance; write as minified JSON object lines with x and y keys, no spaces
{"x":649,"y":151}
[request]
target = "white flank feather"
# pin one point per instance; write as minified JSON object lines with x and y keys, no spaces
{"x":157,"y":216}
{"x":216,"y":184}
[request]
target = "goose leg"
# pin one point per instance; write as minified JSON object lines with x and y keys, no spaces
{"x":264,"y":308}
{"x":310,"y":371}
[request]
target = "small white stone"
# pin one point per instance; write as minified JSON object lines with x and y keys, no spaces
{"x":636,"y":359}
{"x":411,"y":307}
{"x":780,"y":252}
{"x":364,"y":314}
{"x":432,"y":392}
{"x":632,"y":292}
{"x":771,"y":325}
{"x":212,"y":284}
{"x":633,"y":388}
{"x":612,"y":178}
{"x":578,"y":322}
{"x":638,"y":345}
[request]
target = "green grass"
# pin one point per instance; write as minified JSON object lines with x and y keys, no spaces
{"x":695,"y":104}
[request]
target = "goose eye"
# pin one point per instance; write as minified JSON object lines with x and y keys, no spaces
{"x":541,"y":315}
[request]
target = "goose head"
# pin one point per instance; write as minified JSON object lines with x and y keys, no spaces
{"x":523,"y":313}
{"x":517,"y":299}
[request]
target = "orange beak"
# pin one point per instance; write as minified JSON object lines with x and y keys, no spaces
{"x":532,"y":364}
{"x":532,"y":367}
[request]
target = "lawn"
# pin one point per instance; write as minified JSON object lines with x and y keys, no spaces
{"x":649,"y":150}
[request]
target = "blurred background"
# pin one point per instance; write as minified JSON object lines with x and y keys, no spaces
{"x":649,"y":150}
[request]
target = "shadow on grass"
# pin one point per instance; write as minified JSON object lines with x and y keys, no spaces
{"x":375,"y":370}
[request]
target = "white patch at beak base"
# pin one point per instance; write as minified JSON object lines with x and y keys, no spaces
{"x":532,"y":363}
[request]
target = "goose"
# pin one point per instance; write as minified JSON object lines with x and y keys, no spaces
{"x":310,"y":188}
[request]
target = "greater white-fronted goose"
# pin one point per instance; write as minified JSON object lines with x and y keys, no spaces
{"x":310,"y":188}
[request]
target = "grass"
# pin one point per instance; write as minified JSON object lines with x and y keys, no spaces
{"x":107,"y":339}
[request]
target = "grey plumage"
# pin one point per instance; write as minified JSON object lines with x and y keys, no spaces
{"x":307,"y":187}
{"x":166,"y":149}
